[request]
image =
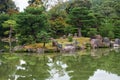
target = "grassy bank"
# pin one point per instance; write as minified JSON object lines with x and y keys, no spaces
{"x":81,"y":41}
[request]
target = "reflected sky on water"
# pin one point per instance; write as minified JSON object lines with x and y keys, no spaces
{"x":104,"y":75}
{"x":56,"y":73}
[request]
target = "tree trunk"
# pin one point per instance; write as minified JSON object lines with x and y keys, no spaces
{"x":10,"y":40}
{"x":34,"y":35}
{"x":44,"y":45}
{"x":79,"y":32}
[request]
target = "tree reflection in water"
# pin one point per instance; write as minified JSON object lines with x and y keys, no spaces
{"x":84,"y":66}
{"x":92,"y":65}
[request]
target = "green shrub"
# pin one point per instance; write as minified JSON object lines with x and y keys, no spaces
{"x":111,"y":34}
{"x":70,"y":38}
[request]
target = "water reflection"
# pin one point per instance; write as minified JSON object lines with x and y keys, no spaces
{"x":57,"y":70}
{"x":99,"y":52}
{"x":0,"y":63}
{"x":104,"y":75}
{"x":116,"y":49}
{"x":20,"y":66}
{"x":102,"y":64}
{"x":85,"y":66}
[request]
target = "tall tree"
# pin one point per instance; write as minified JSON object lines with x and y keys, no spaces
{"x":11,"y":24}
{"x":81,"y":17}
{"x":57,"y":20}
{"x":31,"y":22}
{"x":7,"y":6}
{"x":80,"y":14}
{"x":78,"y":3}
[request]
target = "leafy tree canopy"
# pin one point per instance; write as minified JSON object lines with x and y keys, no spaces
{"x":31,"y":22}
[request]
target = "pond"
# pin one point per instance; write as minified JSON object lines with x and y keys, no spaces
{"x":101,"y":64}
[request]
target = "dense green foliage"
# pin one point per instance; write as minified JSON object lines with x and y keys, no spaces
{"x":31,"y":23}
{"x":81,"y":17}
{"x":3,"y":17}
{"x":117,"y":28}
{"x":84,"y":17}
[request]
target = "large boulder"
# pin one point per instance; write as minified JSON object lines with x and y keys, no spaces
{"x":69,"y":48}
{"x":117,"y":41}
{"x":106,"y":42}
{"x":94,"y":43}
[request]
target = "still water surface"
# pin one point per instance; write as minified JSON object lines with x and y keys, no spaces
{"x":102,"y":64}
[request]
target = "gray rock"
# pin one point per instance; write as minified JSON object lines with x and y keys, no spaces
{"x":106,"y":41}
{"x":117,"y":41}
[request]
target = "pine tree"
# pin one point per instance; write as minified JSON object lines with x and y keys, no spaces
{"x":6,"y":6}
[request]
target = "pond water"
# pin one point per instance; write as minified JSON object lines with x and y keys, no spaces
{"x":101,"y":64}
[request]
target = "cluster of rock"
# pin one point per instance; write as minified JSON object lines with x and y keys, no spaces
{"x":98,"y":41}
{"x":70,"y":48}
{"x":95,"y":42}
